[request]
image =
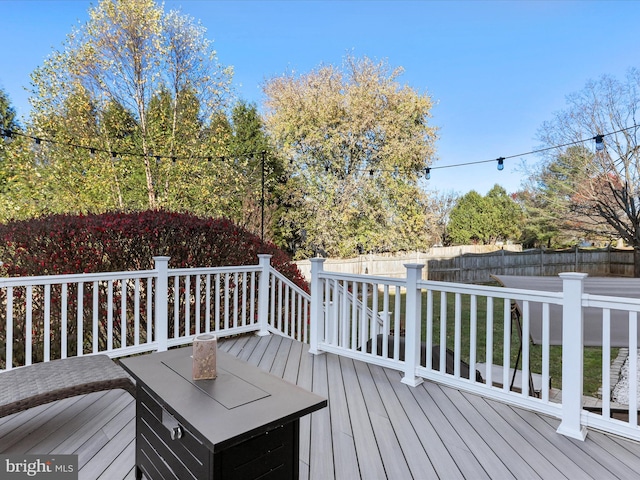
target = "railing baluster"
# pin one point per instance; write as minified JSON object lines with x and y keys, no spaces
{"x":280,"y":303}
{"x":136,"y":312}
{"x":353,"y":339}
{"x":396,"y":324}
{"x":208,"y":304}
{"x":187,"y":305}
{"x":226,"y":301}
{"x":110,"y":315}
{"x":429,"y":339}
{"x":633,"y":367}
{"x":80,"y":319}
{"x":343,"y":315}
{"x":149,"y":310}
{"x":457,"y":335}
{"x":28,"y":334}
{"x":95,"y":318}
{"x":545,"y":352}
{"x":123,"y":312}
{"x":9,"y":330}
{"x":235,"y":300}
{"x":217,"y":302}
{"x":244,"y":299}
{"x":252,"y":304}
{"x":506,"y":344}
{"x":524,"y":344}
{"x":363,"y":316}
{"x":63,"y":321}
{"x":272,"y":301}
{"x":47,"y":322}
{"x":443,"y":332}
{"x":374,"y":319}
{"x":176,"y":306}
{"x":473,"y":335}
{"x":606,"y":355}
{"x":489,"y":343}
{"x":197,"y":320}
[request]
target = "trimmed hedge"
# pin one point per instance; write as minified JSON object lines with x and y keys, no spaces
{"x":115,"y":242}
{"x":66,"y":244}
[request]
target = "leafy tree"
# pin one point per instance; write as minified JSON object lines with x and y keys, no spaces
{"x":14,"y":175}
{"x":548,"y":197}
{"x":605,"y":200}
{"x":439,"y":208}
{"x":485,"y":220}
{"x":251,"y":150}
{"x":145,"y":83}
{"x":358,"y":142}
{"x":8,"y":118}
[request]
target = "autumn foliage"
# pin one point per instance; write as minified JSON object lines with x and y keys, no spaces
{"x":102,"y":315}
{"x":67,"y":244}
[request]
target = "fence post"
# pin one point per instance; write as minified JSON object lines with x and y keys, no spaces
{"x":412,"y":326}
{"x":161,"y":300}
{"x":263,"y":293}
{"x":317,"y":306}
{"x":572,"y":361}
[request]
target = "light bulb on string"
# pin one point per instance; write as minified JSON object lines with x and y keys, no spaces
{"x":8,"y":136}
{"x":599,"y":142}
{"x":427,"y":173}
{"x":501,"y":163}
{"x":36,"y":145}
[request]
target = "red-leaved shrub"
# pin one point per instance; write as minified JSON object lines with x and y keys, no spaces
{"x":109,"y":242}
{"x":119,"y":242}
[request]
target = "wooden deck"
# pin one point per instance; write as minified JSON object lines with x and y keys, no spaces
{"x":374,"y":428}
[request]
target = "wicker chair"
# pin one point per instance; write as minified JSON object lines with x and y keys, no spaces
{"x":25,"y":387}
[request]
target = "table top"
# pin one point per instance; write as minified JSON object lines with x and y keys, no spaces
{"x":241,"y":402}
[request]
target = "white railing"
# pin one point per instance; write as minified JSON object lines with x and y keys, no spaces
{"x":403,"y":323}
{"x":123,"y":313}
{"x":423,"y":322}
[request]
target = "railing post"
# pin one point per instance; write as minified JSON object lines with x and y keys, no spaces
{"x":412,"y":325}
{"x":161,"y":300}
{"x":316,"y":328}
{"x":263,"y":293}
{"x":572,"y":360}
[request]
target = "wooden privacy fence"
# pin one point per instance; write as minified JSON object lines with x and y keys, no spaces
{"x":477,"y":268}
{"x":459,"y":264}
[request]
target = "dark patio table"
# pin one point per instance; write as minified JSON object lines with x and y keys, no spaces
{"x":242,"y":425}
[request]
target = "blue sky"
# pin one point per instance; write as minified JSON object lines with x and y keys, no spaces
{"x":497,"y":70}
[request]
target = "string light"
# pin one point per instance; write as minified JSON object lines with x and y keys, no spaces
{"x":599,"y":145}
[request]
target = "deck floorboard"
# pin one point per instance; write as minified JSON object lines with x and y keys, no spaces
{"x":375,"y":427}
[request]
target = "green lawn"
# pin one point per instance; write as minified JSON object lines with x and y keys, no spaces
{"x":592,"y":355}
